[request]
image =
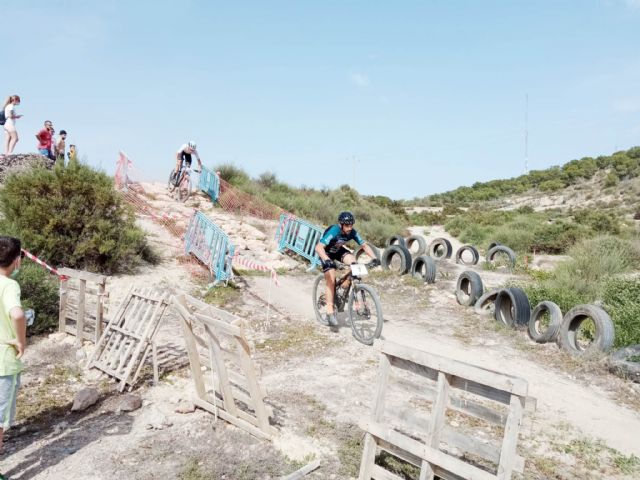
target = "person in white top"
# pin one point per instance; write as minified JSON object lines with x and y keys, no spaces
{"x":184,"y":156}
{"x":11,"y":137}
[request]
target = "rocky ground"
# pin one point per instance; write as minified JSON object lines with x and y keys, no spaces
{"x":320,"y":383}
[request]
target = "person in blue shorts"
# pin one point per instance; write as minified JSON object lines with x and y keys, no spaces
{"x":13,"y":332}
{"x":331,"y":248}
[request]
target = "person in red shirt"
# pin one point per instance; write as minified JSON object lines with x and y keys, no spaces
{"x":44,"y":138}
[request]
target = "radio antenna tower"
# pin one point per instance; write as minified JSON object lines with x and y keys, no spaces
{"x":526,"y":135}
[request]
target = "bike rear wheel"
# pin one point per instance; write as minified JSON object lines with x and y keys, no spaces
{"x":365,"y":314}
{"x":184,"y":188}
{"x":320,"y":299}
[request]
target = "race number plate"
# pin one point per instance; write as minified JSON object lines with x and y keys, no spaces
{"x":358,"y":269}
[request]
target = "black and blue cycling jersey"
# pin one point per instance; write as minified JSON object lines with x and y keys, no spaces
{"x":334,"y":238}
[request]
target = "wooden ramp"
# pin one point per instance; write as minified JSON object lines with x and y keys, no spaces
{"x":222,"y":368}
{"x":447,"y":418}
{"x":129,"y":337}
{"x":82,"y":304}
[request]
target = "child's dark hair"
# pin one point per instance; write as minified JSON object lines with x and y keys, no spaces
{"x":9,"y":250}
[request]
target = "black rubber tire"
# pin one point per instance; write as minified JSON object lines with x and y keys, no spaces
{"x":405,"y":258}
{"x":361,"y":333}
{"x":492,"y":244}
{"x":422,"y":244}
{"x":440,"y":242}
{"x":512,"y":307}
{"x":424,"y":267}
{"x":474,"y":252}
{"x":318,"y":297}
{"x":502,"y":249}
{"x":469,"y":288}
{"x":621,"y":366}
{"x":396,"y":240}
{"x":170,"y":185}
{"x":360,"y":252}
{"x":604,"y":334}
{"x":551,"y":332}
{"x":485,"y":305}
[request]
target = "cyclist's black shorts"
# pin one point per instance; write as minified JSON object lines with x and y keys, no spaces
{"x":337,"y":255}
{"x":186,"y":159}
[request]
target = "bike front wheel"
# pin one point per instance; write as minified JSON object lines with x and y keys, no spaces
{"x":320,"y":299}
{"x":184,"y":188}
{"x":172,"y":179}
{"x":365,"y":314}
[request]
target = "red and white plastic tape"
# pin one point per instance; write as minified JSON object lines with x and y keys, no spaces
{"x":31,"y":256}
{"x":253,"y":265}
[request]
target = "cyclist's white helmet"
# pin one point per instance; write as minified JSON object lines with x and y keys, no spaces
{"x":192,"y":145}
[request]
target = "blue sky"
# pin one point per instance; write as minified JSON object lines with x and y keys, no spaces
{"x":401,"y":98}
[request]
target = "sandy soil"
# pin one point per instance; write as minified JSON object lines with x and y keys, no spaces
{"x":320,"y":383}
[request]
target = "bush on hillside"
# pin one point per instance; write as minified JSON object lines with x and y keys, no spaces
{"x":621,"y":298}
{"x":232,"y":174}
{"x":72,"y":216}
{"x":39,"y":291}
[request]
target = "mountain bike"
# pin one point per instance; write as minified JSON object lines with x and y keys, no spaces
{"x":182,"y":183}
{"x":361,"y":300}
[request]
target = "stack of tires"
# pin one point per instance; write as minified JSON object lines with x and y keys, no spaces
{"x":398,"y":257}
{"x":510,"y":306}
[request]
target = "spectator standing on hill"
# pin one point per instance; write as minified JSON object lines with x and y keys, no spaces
{"x":60,"y":146}
{"x":13,"y":332}
{"x":10,"y":117}
{"x":71,"y":154}
{"x":44,"y":138}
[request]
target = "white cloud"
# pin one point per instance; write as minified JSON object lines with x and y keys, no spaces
{"x":359,"y":79}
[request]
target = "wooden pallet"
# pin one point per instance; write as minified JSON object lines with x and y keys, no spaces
{"x":82,"y":304}
{"x":421,"y":436}
{"x":223,"y":372}
{"x":128,"y":338}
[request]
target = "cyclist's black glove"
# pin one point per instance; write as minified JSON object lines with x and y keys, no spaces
{"x":328,"y":265}
{"x":374,"y":263}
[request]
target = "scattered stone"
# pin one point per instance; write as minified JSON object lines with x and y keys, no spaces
{"x":85,"y":398}
{"x":81,"y":355}
{"x":60,"y":427}
{"x":185,"y":407}
{"x":58,"y":336}
{"x":130,"y":402}
{"x":158,"y":421}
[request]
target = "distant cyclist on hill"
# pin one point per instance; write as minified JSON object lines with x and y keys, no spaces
{"x":184,"y":156}
{"x":331,"y":247}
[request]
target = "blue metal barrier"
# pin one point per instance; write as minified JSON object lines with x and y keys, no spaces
{"x":299,"y":236}
{"x":209,"y":183}
{"x":210,"y":245}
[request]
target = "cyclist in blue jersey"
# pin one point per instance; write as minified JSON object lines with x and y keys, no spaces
{"x":331,"y":248}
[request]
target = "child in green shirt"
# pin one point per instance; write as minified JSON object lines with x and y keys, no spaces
{"x":13,"y":331}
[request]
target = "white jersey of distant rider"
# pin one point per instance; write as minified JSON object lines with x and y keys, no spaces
{"x":9,"y":112}
{"x":184,"y":148}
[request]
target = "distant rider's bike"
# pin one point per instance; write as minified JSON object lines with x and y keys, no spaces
{"x":181,"y":182}
{"x":361,"y":300}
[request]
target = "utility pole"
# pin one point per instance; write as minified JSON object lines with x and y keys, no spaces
{"x":526,"y":135}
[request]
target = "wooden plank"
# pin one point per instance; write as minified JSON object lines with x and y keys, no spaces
{"x":405,"y":421}
{"x":99,"y":311}
{"x":511,"y":431}
{"x":219,"y":325}
{"x":255,"y":391}
{"x":379,"y":473}
{"x":298,"y":474}
{"x":192,"y":350}
{"x":499,"y":381}
{"x":431,"y":455}
{"x":217,"y":364}
{"x":62,"y":312}
{"x":238,"y":422}
{"x":434,"y":431}
{"x":369,"y":448}
{"x":458,"y":383}
{"x":82,"y":275}
{"x":125,"y":332}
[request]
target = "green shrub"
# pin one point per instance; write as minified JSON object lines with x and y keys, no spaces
{"x":72,"y":216}
{"x":611,"y":180}
{"x":39,"y":291}
{"x":232,"y":174}
{"x":621,"y":298}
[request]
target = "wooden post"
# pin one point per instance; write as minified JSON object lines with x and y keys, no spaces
{"x":80,"y":318}
{"x":62,"y":315}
